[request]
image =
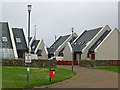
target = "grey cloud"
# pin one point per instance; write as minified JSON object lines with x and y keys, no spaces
{"x":58,"y":18}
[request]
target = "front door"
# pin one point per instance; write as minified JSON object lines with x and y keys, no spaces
{"x":74,"y":57}
{"x":21,"y":54}
{"x":92,"y":56}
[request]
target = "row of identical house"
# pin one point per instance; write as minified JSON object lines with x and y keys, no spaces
{"x":14,"y":44}
{"x":96,"y":44}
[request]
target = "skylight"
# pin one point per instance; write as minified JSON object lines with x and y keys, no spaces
{"x":81,"y":42}
{"x":4,"y":39}
{"x":18,"y":40}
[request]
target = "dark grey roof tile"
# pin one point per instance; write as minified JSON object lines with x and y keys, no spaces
{"x":34,"y":45}
{"x":84,"y":38}
{"x":5,"y":33}
{"x":61,"y":52}
{"x":73,"y":39}
{"x":57,"y":43}
{"x":19,"y":38}
{"x":99,"y":40}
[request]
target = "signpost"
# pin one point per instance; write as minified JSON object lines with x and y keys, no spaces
{"x":28,"y":60}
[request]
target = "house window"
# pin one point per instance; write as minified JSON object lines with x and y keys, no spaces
{"x":4,"y":39}
{"x":92,"y":56}
{"x":18,"y":40}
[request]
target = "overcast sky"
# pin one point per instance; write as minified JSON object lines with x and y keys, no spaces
{"x":57,"y":18}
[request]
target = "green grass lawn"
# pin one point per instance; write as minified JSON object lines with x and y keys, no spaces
{"x":111,"y":68}
{"x":16,"y":77}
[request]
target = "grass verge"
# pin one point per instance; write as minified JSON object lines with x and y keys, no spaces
{"x":16,"y":77}
{"x":111,"y":68}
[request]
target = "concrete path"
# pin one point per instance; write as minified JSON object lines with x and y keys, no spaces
{"x":88,"y":78}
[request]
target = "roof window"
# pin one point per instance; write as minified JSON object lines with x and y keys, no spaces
{"x":81,"y":42}
{"x":18,"y":40}
{"x":4,"y":39}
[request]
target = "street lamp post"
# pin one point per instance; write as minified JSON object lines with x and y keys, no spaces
{"x":29,"y":10}
{"x":72,"y":48}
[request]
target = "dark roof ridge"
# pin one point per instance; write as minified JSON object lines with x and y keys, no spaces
{"x":35,"y":44}
{"x":84,"y":38}
{"x":94,"y":29}
{"x":79,"y":36}
{"x":55,"y":41}
{"x":99,"y":40}
{"x":59,"y":38}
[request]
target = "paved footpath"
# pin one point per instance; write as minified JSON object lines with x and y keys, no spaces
{"x":88,"y":78}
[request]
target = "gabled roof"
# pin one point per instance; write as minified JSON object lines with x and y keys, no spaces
{"x":61,"y":52}
{"x":34,"y":45}
{"x":5,"y":33}
{"x":73,"y":39}
{"x":30,"y":39}
{"x":57,"y":43}
{"x":84,"y":39}
{"x":18,"y":33}
{"x":99,"y":40}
